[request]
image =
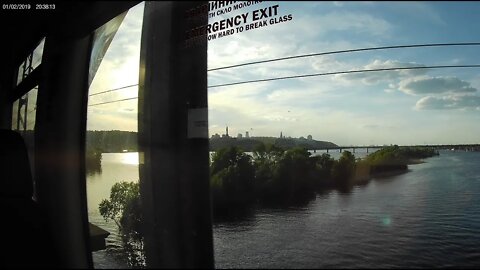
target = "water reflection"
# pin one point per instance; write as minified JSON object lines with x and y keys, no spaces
{"x":130,"y":158}
{"x":235,"y":215}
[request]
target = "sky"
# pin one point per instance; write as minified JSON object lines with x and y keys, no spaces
{"x":423,"y":106}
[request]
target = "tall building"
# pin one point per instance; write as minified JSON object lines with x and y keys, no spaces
{"x":281,"y":135}
{"x":246,"y":134}
{"x":226,"y":132}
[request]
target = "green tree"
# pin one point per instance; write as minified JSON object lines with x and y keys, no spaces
{"x":124,"y":209}
{"x":232,"y":179}
{"x":343,"y":169}
{"x":265,"y":159}
{"x":293,"y":178}
{"x":323,"y":168}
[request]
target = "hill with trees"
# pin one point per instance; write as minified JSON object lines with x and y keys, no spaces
{"x":249,"y":144}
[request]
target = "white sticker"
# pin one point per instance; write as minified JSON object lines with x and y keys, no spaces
{"x":197,"y":123}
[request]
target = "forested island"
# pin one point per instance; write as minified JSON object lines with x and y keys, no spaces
{"x":112,"y":141}
{"x":274,"y":176}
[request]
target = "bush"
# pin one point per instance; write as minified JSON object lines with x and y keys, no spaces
{"x":293,"y":177}
{"x":124,"y":209}
{"x":231,"y":179}
{"x":343,"y":169}
{"x":323,"y":170}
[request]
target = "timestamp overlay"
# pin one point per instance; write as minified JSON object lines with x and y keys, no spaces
{"x":27,"y":6}
{"x":45,"y":6}
{"x":16,"y":6}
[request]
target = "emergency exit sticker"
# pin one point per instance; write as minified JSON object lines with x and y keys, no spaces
{"x":229,"y":24}
{"x":197,"y":123}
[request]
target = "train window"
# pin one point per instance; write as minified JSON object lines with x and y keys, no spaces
{"x":303,"y":95}
{"x":31,"y":62}
{"x":25,"y":108}
{"x":24,"y":111}
{"x":111,"y":139}
{"x":23,"y":120}
{"x":15,"y":109}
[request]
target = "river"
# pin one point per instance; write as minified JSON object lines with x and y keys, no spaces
{"x":428,"y":217}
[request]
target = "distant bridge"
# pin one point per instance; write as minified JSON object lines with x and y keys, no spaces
{"x":457,"y":147}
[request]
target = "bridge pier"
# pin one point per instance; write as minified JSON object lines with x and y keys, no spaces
{"x":367,"y":150}
{"x":340,"y":150}
{"x":353,"y":150}
{"x":327,"y":150}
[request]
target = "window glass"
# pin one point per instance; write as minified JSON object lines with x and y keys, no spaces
{"x":37,"y":54}
{"x":111,"y":145}
{"x":24,"y":111}
{"x":23,"y":120}
{"x":15,"y":124}
{"x":356,"y":133}
{"x":31,"y":62}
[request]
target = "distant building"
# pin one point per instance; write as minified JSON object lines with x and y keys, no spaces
{"x":215,"y":136}
{"x":302,"y":138}
{"x":309,"y":137}
{"x":246,"y":134}
{"x":281,"y":135}
{"x":239,"y":136}
{"x":226,"y":132}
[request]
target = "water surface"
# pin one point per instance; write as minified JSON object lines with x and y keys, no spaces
{"x":428,"y":217}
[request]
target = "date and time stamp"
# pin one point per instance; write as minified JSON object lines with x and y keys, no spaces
{"x":19,"y":6}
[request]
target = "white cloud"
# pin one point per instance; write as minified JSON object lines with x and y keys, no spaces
{"x":384,"y":76}
{"x":435,"y":85}
{"x":328,"y":64}
{"x":450,"y":102}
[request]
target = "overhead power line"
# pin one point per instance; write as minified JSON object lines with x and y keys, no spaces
{"x":113,"y":101}
{"x":316,"y":54}
{"x":345,"y":72}
{"x":112,"y":90}
{"x":349,"y":51}
{"x":318,"y":74}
